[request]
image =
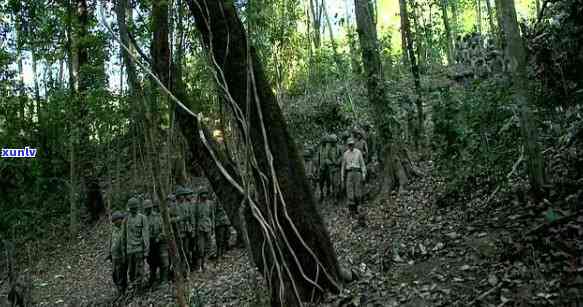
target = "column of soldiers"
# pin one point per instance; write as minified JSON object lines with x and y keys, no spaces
{"x":339,"y":167}
{"x":477,"y":57}
{"x":137,"y":238}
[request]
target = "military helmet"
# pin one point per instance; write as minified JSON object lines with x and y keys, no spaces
{"x":117,"y":216}
{"x":307,"y":152}
{"x":133,"y":203}
{"x":350,"y":141}
{"x":333,"y":138}
{"x":171,"y":197}
{"x":182,"y":191}
{"x":355,"y":130}
{"x":148,"y":204}
{"x":203,"y":192}
{"x":345,"y":135}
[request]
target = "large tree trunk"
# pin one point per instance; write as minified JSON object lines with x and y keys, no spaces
{"x":93,"y":197}
{"x":393,"y":175}
{"x":515,"y":51}
{"x":136,"y":93}
{"x":292,"y":207}
{"x":448,"y":38}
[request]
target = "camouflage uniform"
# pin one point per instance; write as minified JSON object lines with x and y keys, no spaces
{"x":221,"y":223}
{"x":158,"y":256}
{"x":202,"y":226}
{"x":137,"y":242}
{"x":117,"y":253}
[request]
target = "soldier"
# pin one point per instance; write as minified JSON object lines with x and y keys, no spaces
{"x":202,"y":228}
{"x":353,"y":172}
{"x":325,"y":161}
{"x":360,"y":142}
{"x":137,"y":239}
{"x":158,"y":256}
{"x":184,"y":224}
{"x":309,"y":165}
{"x":336,"y":157}
{"x":221,"y":225}
{"x":117,"y":253}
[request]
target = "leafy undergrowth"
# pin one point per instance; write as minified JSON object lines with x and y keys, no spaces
{"x":410,"y":254}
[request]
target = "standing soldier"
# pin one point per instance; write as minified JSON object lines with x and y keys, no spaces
{"x":309,"y":165}
{"x":221,"y":225}
{"x":137,"y":239}
{"x":183,"y":224}
{"x":325,"y":161}
{"x":117,"y":253}
{"x":158,"y":256}
{"x":336,"y":159}
{"x":202,"y":226}
{"x":353,"y":171}
{"x":360,"y":142}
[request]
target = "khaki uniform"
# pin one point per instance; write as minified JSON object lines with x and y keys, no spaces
{"x":137,"y":239}
{"x":353,"y":172}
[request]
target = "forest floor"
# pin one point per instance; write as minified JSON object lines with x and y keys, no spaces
{"x":410,"y":254}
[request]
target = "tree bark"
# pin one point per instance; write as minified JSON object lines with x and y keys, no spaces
{"x":490,"y":17}
{"x":515,"y":51}
{"x":448,"y":38}
{"x":239,"y":68}
{"x":418,"y":133}
{"x":479,"y":16}
{"x":93,"y":197}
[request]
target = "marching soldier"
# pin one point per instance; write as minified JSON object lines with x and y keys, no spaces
{"x":117,"y":253}
{"x":202,"y":227}
{"x":336,"y":159}
{"x":183,"y":224}
{"x":221,"y":225}
{"x":158,"y":256}
{"x":325,"y":162}
{"x":309,"y":165}
{"x":360,"y":142}
{"x":353,"y":173}
{"x":137,"y":240}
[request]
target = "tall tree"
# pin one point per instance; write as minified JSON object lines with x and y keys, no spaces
{"x":160,"y":54}
{"x":395,"y":173}
{"x":515,"y":52}
{"x":406,"y":31}
{"x":446,"y":27}
{"x":349,"y":28}
{"x":479,"y":16}
{"x":490,"y":17}
{"x":316,"y":11}
{"x":85,"y":79}
{"x":337,"y":59}
{"x":286,"y":231}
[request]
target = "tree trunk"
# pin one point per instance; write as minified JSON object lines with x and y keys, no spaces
{"x":418,"y":133}
{"x":392,"y":175}
{"x":448,"y":38}
{"x":316,"y":18}
{"x":490,"y":17}
{"x":337,"y":59}
{"x":294,"y":203}
{"x":515,"y":51}
{"x":354,"y":64}
{"x":93,"y":197}
{"x":404,"y":27}
{"x":479,"y":16}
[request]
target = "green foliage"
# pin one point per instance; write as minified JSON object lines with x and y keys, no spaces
{"x":476,"y":138}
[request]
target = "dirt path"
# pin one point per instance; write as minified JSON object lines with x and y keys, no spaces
{"x":410,"y":254}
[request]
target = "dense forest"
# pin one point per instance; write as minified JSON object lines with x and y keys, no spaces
{"x":291,"y":152}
